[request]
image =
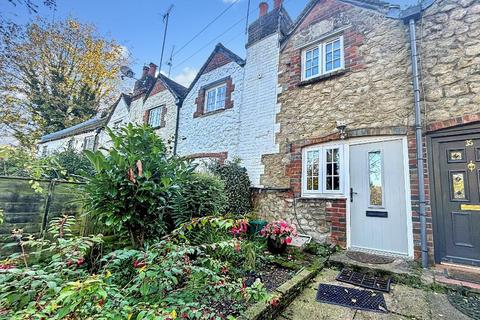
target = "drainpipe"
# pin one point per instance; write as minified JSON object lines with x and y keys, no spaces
{"x":178,"y":103}
{"x":419,"y":144}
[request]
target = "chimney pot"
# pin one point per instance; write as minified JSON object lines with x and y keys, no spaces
{"x":278,"y":3}
{"x":263,"y":8}
{"x":152,"y":70}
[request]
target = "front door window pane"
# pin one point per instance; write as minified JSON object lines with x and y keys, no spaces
{"x":375,"y":178}
{"x":458,"y":186}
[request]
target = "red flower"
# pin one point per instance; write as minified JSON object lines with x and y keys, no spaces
{"x":80,"y":261}
{"x":274,"y":302}
{"x":288,"y":240}
{"x":101,"y":302}
{"x":138,"y":264}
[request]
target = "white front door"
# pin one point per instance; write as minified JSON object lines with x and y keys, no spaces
{"x":378,"y":213}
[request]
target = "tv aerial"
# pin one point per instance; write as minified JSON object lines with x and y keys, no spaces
{"x":127,"y":72}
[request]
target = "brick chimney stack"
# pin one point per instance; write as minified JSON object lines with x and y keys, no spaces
{"x":263,"y":8}
{"x":145,"y":71}
{"x":152,"y":70}
{"x":278,"y":3}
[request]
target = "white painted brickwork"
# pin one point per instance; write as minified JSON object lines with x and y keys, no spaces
{"x":211,"y":132}
{"x":257,"y":116}
{"x":62,"y":144}
{"x":164,"y":98}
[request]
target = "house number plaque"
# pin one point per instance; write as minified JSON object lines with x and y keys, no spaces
{"x":470,"y":207}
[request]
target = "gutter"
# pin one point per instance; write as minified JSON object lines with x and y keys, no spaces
{"x":411,"y":15}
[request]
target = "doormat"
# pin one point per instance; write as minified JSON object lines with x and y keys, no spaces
{"x":468,"y":305}
{"x":364,"y":280}
{"x":352,"y":298}
{"x":369,"y":258}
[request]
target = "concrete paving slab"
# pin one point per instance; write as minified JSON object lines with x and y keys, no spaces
{"x":442,"y":309}
{"x":404,"y":302}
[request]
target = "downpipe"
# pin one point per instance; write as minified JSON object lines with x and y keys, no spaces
{"x":419,"y":144}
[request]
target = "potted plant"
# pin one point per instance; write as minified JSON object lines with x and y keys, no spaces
{"x":279,"y":234}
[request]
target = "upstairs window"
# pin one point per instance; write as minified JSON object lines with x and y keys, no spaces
{"x":323,"y":58}
{"x":89,"y":143}
{"x":215,"y":98}
{"x":323,"y":170}
{"x":155,"y":117}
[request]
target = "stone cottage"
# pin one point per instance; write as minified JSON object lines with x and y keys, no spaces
{"x":346,"y":170}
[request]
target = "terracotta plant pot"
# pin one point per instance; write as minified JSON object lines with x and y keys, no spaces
{"x":276,"y":246}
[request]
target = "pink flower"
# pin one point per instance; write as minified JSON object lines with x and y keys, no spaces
{"x":288,"y":240}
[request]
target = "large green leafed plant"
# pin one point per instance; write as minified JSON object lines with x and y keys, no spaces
{"x":237,"y":186}
{"x":135,"y":183}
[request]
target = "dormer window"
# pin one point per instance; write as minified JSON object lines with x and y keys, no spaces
{"x":215,"y":98}
{"x":323,"y":58}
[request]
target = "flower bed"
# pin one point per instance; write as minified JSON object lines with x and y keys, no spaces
{"x":207,"y":269}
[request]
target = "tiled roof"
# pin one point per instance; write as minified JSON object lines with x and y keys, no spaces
{"x":175,"y":88}
{"x":219,"y":48}
{"x":83,"y":127}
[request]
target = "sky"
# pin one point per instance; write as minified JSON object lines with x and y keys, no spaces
{"x":138,"y":26}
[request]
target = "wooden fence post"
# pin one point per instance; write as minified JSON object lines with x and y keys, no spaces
{"x":48,"y":201}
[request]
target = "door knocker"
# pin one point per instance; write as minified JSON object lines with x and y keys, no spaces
{"x":469,"y":143}
{"x":471,"y":166}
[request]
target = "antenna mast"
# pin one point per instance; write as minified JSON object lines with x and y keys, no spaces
{"x":165,"y":20}
{"x":170,"y":61}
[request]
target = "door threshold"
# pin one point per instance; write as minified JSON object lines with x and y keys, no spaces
{"x":457,"y":266}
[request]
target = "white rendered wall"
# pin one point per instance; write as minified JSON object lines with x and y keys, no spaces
{"x":163,"y":98}
{"x":211,"y":133}
{"x":60,"y":145}
{"x":259,"y":106}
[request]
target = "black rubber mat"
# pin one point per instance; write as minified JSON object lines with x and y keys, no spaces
{"x":364,"y":280}
{"x":352,"y":298}
{"x":468,"y":305}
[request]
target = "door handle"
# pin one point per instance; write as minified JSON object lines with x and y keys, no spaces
{"x":352,"y":194}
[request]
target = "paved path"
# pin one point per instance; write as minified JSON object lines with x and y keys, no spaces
{"x":403,"y":301}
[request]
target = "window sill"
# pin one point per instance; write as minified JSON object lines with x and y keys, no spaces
{"x":323,"y":77}
{"x":206,"y":114}
{"x":323,"y":196}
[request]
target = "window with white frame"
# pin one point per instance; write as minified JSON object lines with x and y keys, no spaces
{"x":323,"y":168}
{"x":89,"y":143}
{"x":323,"y":58}
{"x":215,"y":98}
{"x":155,"y":117}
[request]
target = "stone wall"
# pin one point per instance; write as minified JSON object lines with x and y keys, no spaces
{"x":449,"y":43}
{"x":373,"y":94}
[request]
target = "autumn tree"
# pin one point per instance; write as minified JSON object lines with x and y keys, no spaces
{"x":55,"y":75}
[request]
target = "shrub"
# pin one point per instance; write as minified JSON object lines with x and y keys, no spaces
{"x":237,"y":186}
{"x":73,"y":163}
{"x":135,"y":183}
{"x":201,"y":195}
